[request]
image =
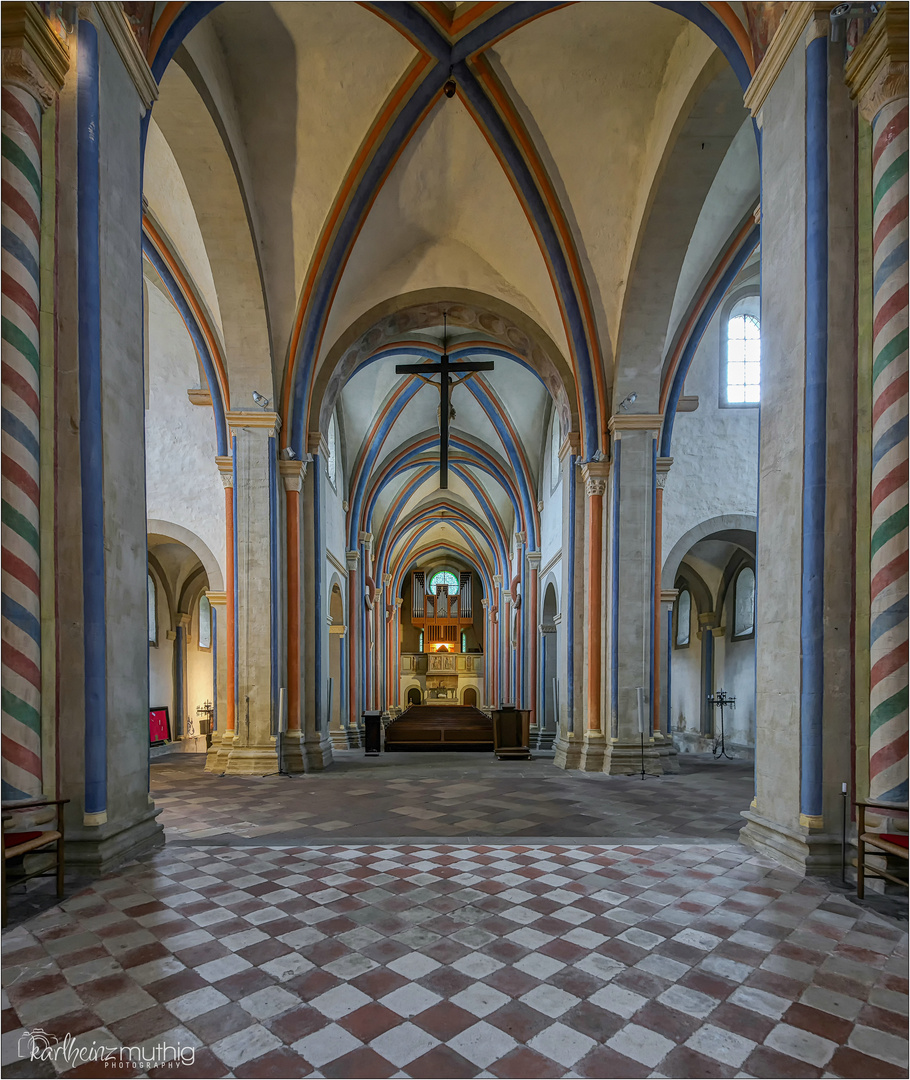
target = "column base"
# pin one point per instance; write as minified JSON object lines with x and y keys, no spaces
{"x":292,"y":752}
{"x":339,"y":739}
{"x":100,"y":849}
{"x":354,"y":737}
{"x":623,"y":758}
{"x":224,"y":752}
{"x":799,"y":849}
{"x":211,"y":758}
{"x":258,"y":760}
{"x":593,"y":752}
{"x":568,"y":752}
{"x":543,"y":740}
{"x":317,"y":751}
{"x":669,"y":755}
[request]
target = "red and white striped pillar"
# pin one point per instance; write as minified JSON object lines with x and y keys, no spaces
{"x":21,"y":583}
{"x":878,"y":71}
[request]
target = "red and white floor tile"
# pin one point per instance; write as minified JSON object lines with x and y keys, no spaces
{"x":448,"y":960}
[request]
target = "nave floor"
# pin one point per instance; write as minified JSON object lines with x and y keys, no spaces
{"x":398,"y":796}
{"x":454,"y":960}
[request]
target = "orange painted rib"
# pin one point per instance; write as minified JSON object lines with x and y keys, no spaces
{"x":161,"y":27}
{"x":404,"y":89}
{"x":229,"y":559}
{"x":699,"y":306}
{"x":727,"y":16}
{"x":190,"y":297}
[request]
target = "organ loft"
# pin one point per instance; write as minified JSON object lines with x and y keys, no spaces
{"x":442,"y":652}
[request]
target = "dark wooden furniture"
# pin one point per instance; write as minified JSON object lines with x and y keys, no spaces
{"x":512,"y":734}
{"x":894,"y":844}
{"x":24,"y":833}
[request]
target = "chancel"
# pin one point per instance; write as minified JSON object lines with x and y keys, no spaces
{"x":421,"y":421}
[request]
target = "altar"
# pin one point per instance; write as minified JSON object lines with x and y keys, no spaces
{"x":451,"y":678}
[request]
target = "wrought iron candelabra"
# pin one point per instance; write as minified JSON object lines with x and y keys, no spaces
{"x":721,"y":700}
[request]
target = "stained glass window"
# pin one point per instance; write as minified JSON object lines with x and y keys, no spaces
{"x":443,"y":577}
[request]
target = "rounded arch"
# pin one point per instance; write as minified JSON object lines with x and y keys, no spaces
{"x":336,"y":607}
{"x":687,"y":579}
{"x":182,"y":535}
{"x":413,"y":695}
{"x":550,"y":593}
{"x":498,"y":323}
{"x":737,"y":528}
{"x":469,"y":696}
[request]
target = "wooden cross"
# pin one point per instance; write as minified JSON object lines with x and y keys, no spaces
{"x":444,"y":367}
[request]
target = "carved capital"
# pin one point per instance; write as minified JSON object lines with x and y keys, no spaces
{"x":292,"y":473}
{"x":663,"y":467}
{"x":352,"y":558}
{"x":216,"y":599}
{"x":315,"y":444}
{"x":226,"y":470}
{"x":35,"y":56}
{"x":595,"y":475}
{"x":877,"y":71}
{"x":533,"y":558}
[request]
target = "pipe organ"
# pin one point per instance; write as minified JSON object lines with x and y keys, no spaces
{"x":443,"y":609}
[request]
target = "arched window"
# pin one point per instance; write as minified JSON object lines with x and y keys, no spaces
{"x":743,"y":369}
{"x":744,"y":604}
{"x":331,"y":461}
{"x":205,"y":623}
{"x":420,"y":642}
{"x":464,"y":642}
{"x":443,"y":577}
{"x":153,"y":612}
{"x":683,"y":618}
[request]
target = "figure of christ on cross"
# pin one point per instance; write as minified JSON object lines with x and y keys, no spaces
{"x":444,"y":367}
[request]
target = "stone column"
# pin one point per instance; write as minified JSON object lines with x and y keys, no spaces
{"x":293,"y":474}
{"x":35,"y":62}
{"x":181,"y":729}
{"x":595,"y":475}
{"x":253,"y":752}
{"x":570,"y":664}
{"x":487,"y":657}
{"x":496,"y":643}
{"x":387,"y":623}
{"x":317,"y":742}
{"x":633,"y":504}
{"x":218,"y":600}
{"x":804,"y":606}
{"x":877,"y":76}
{"x":668,"y":752}
{"x":355,"y":625}
{"x":532,"y":675}
{"x":220,"y":750}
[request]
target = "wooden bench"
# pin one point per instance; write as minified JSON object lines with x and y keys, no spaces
{"x":22,"y":835}
{"x":890,"y":843}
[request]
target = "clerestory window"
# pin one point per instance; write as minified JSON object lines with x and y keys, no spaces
{"x":743,"y":367}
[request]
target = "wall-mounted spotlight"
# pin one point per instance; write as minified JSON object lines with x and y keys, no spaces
{"x":288,"y":454}
{"x":630,"y":400}
{"x":262,"y":402}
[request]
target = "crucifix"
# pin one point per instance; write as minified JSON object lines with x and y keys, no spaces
{"x":444,"y":367}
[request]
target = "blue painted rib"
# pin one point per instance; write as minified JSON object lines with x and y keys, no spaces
{"x":236,"y":586}
{"x":88,"y":225}
{"x":317,"y":599}
{"x":198,"y":339}
{"x":812,"y":630}
{"x":651,"y":642}
{"x":698,"y":330}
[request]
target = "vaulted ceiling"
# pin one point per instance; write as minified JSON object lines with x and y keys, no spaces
{"x":317,"y":202}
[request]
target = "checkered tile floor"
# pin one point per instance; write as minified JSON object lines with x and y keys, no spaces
{"x":398,"y":796}
{"x":447,"y":960}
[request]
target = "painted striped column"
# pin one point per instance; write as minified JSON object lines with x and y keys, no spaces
{"x":20,"y":582}
{"x":889,"y":549}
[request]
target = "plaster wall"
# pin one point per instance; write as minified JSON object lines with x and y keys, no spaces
{"x":182,"y":482}
{"x":714,"y":450}
{"x":734,"y":671}
{"x":199,"y":681}
{"x":169,"y":201}
{"x":551,"y":516}
{"x":685,"y":717}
